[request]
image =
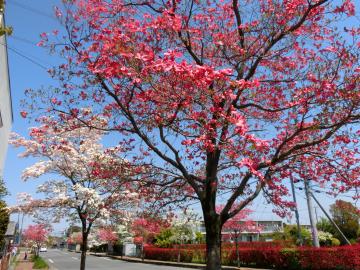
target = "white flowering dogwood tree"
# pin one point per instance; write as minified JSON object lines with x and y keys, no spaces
{"x":93,"y":181}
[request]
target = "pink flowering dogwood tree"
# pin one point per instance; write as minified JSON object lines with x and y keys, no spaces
{"x":94,"y":182}
{"x":36,"y":235}
{"x":238,"y":224}
{"x":145,"y":228}
{"x":75,"y":239}
{"x":109,"y":236}
{"x":226,"y":99}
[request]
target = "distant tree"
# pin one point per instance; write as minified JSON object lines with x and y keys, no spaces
{"x":36,"y":235}
{"x":108,"y":235}
{"x":51,"y":240}
{"x":75,"y":238}
{"x":4,"y":213}
{"x":72,"y":229}
{"x":165,"y":238}
{"x":238,"y":224}
{"x":183,"y":230}
{"x":3,"y":189}
{"x":290,"y":233}
{"x":184,"y":226}
{"x":347,"y":217}
{"x":199,"y":238}
{"x":4,"y":221}
{"x":325,"y":225}
{"x":327,"y":239}
{"x":146,"y":228}
{"x":123,"y":231}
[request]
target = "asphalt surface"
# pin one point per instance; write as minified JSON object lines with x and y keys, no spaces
{"x":64,"y":260}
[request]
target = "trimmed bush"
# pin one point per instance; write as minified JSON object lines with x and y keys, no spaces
{"x":305,"y":258}
{"x":100,"y":248}
{"x":168,"y":254}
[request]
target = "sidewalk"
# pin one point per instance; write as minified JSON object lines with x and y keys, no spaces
{"x":168,"y":263}
{"x":23,"y":264}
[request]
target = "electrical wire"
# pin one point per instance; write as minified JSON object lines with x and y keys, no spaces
{"x":24,"y":56}
{"x":12,"y":36}
{"x":28,"y":8}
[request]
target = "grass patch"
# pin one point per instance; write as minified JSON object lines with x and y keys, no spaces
{"x":39,"y":263}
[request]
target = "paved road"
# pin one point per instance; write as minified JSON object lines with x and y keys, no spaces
{"x":64,"y":260}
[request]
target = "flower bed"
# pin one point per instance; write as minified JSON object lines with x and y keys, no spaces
{"x":344,"y":258}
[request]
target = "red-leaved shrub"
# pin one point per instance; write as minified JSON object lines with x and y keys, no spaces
{"x":277,"y":257}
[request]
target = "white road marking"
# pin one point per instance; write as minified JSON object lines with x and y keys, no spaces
{"x":106,"y":259}
{"x":74,"y":258}
{"x":50,"y":260}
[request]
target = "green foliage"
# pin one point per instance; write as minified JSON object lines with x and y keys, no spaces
{"x":73,"y":229}
{"x":346,"y":216}
{"x":335,"y":242}
{"x":199,"y":238}
{"x":170,"y":236}
{"x":325,"y":238}
{"x":4,"y":30}
{"x":99,"y":248}
{"x":39,"y":263}
{"x":3,"y":190}
{"x":164,"y":238}
{"x":182,"y":234}
{"x":4,"y":220}
{"x":4,"y":213}
{"x":291,"y":233}
{"x":325,"y":225}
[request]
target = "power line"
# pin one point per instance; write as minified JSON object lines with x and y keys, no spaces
{"x":28,"y":8}
{"x":328,"y":192}
{"x":12,"y":36}
{"x":24,"y":56}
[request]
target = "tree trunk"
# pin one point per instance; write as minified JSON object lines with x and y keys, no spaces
{"x":83,"y":250}
{"x":213,"y":243}
{"x":178,"y":258}
{"x":142,"y":252}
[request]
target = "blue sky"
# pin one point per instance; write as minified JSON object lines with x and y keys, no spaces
{"x":28,"y":65}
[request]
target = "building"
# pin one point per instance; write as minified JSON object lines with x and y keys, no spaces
{"x":265,"y":229}
{"x":6,"y":116}
{"x":12,"y":232}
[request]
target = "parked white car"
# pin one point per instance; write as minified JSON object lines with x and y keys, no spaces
{"x":43,"y":249}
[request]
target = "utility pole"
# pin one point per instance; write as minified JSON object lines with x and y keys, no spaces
{"x":296,"y":213}
{"x":316,"y":214}
{"x":314,"y":232}
{"x":332,"y":221}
